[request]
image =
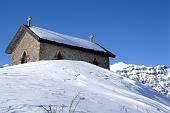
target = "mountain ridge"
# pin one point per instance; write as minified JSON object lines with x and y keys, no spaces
{"x":157,"y":77}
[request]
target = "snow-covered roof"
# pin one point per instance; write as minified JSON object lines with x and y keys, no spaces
{"x":56,"y":38}
{"x":65,"y":39}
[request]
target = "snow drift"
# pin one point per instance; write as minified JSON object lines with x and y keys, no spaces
{"x":23,"y":88}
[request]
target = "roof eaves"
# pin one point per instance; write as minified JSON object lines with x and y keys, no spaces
{"x":110,"y":54}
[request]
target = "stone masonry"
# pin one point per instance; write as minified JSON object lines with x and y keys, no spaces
{"x":29,"y":45}
{"x":49,"y":51}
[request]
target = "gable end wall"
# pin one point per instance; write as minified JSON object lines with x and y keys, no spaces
{"x":28,"y":44}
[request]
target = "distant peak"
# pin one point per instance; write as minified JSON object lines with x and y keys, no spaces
{"x":118,"y":66}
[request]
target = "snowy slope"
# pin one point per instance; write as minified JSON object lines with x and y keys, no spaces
{"x":157,"y":77}
{"x":27,"y":86}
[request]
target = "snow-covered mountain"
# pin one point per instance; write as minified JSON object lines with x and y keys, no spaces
{"x":23,"y":88}
{"x":5,"y":65}
{"x":157,"y":77}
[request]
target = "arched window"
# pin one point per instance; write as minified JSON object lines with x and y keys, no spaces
{"x":58,"y":56}
{"x":95,"y":61}
{"x":24,"y":58}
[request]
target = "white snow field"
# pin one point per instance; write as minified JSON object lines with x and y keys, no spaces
{"x":23,"y":88}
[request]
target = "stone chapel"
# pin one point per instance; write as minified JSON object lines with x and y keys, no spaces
{"x":32,"y":44}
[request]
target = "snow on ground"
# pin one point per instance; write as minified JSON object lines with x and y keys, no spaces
{"x":27,"y":86}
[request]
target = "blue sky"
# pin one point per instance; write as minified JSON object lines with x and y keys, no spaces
{"x":135,"y":30}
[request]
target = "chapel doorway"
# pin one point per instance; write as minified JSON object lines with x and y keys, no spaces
{"x":24,"y":58}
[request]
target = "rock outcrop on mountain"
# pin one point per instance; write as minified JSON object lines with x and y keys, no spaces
{"x":157,"y":77}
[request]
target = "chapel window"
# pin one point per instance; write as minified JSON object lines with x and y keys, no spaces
{"x":58,"y":56}
{"x":95,"y":62}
